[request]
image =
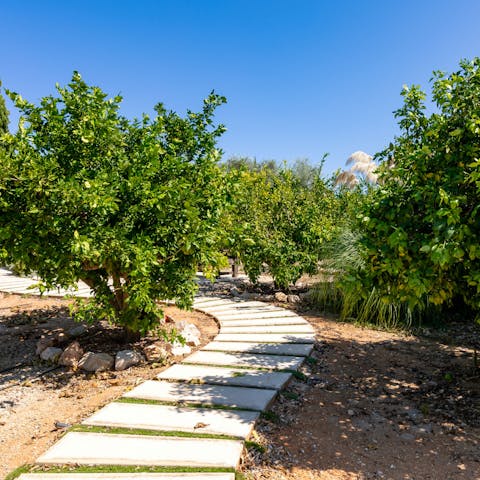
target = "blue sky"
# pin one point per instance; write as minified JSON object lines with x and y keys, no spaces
{"x":302,"y":77}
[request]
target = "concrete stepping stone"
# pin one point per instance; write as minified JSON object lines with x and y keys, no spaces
{"x":109,"y":449}
{"x":268,"y":329}
{"x":216,"y":395}
{"x":240,"y":306}
{"x":236,"y":423}
{"x":213,"y":301}
{"x":297,"y":349}
{"x":226,"y":376}
{"x":264,"y":321}
{"x":278,"y":362}
{"x":127,"y":476}
{"x":266,"y":337}
{"x":15,"y":285}
{"x":24,"y":291}
{"x":15,"y":282}
{"x":256,"y":314}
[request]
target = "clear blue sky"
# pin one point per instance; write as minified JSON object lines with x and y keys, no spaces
{"x":302,"y":77}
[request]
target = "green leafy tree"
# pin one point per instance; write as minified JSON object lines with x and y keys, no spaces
{"x":278,"y":224}
{"x":3,"y":115}
{"x":421,"y":227}
{"x":248,"y":163}
{"x":130,"y":208}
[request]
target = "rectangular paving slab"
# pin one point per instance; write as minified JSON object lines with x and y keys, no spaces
{"x":210,"y":301}
{"x":236,"y":423}
{"x":240,"y":309}
{"x":239,"y":306}
{"x":109,"y":449}
{"x":264,"y":321}
{"x":297,"y":349}
{"x":278,"y":362}
{"x":127,"y":476}
{"x":255,"y":314}
{"x":226,"y":376}
{"x":266,"y":337}
{"x":221,"y":395}
{"x":16,"y":282}
{"x":268,"y":329}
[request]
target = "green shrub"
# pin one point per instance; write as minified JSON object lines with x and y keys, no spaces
{"x":129,"y":207}
{"x":279,"y":222}
{"x":419,"y":229}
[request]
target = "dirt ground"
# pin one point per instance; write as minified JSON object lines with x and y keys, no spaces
{"x":32,"y":402}
{"x":372,"y":404}
{"x":376,"y":405}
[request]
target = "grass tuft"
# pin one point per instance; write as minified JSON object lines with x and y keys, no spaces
{"x":18,"y":471}
{"x":250,"y":445}
{"x":132,"y":469}
{"x":147,"y":401}
{"x":147,"y":432}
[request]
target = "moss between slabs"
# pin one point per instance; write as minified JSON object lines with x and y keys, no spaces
{"x":147,"y":432}
{"x":236,"y":367}
{"x":182,"y":404}
{"x":29,"y":468}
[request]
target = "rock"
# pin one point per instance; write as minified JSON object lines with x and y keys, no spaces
{"x":407,"y":436}
{"x":377,"y":418}
{"x":77,"y":331}
{"x":96,"y":362}
{"x":179,"y":349}
{"x":189,"y":332}
{"x":293,"y":299}
{"x":51,"y":354}
{"x":157,"y":352}
{"x":362,"y":425}
{"x":44,"y":343}
{"x":61,"y":337}
{"x":248,"y":296}
{"x":281,"y":297}
{"x":304,"y":296}
{"x":424,"y":429}
{"x":71,"y":355}
{"x":234,"y":291}
{"x":62,"y":424}
{"x":414,"y":415}
{"x":126,"y":359}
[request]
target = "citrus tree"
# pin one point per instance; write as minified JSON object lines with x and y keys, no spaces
{"x":3,"y":115}
{"x":129,"y":207}
{"x":421,"y":227}
{"x":278,"y":223}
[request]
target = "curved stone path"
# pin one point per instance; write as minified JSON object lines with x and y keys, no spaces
{"x":191,"y":421}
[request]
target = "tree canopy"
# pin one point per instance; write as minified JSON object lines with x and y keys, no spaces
{"x":279,"y":220}
{"x":421,"y":226}
{"x":129,"y":207}
{"x":3,"y":115}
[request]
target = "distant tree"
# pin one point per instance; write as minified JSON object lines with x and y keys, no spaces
{"x":3,"y":115}
{"x":305,"y":172}
{"x":277,"y":224}
{"x":130,"y":208}
{"x":248,"y":163}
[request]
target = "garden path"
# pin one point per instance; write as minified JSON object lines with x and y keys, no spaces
{"x":191,"y":422}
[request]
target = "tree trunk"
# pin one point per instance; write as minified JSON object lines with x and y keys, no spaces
{"x":131,"y":336}
{"x":235,"y":268}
